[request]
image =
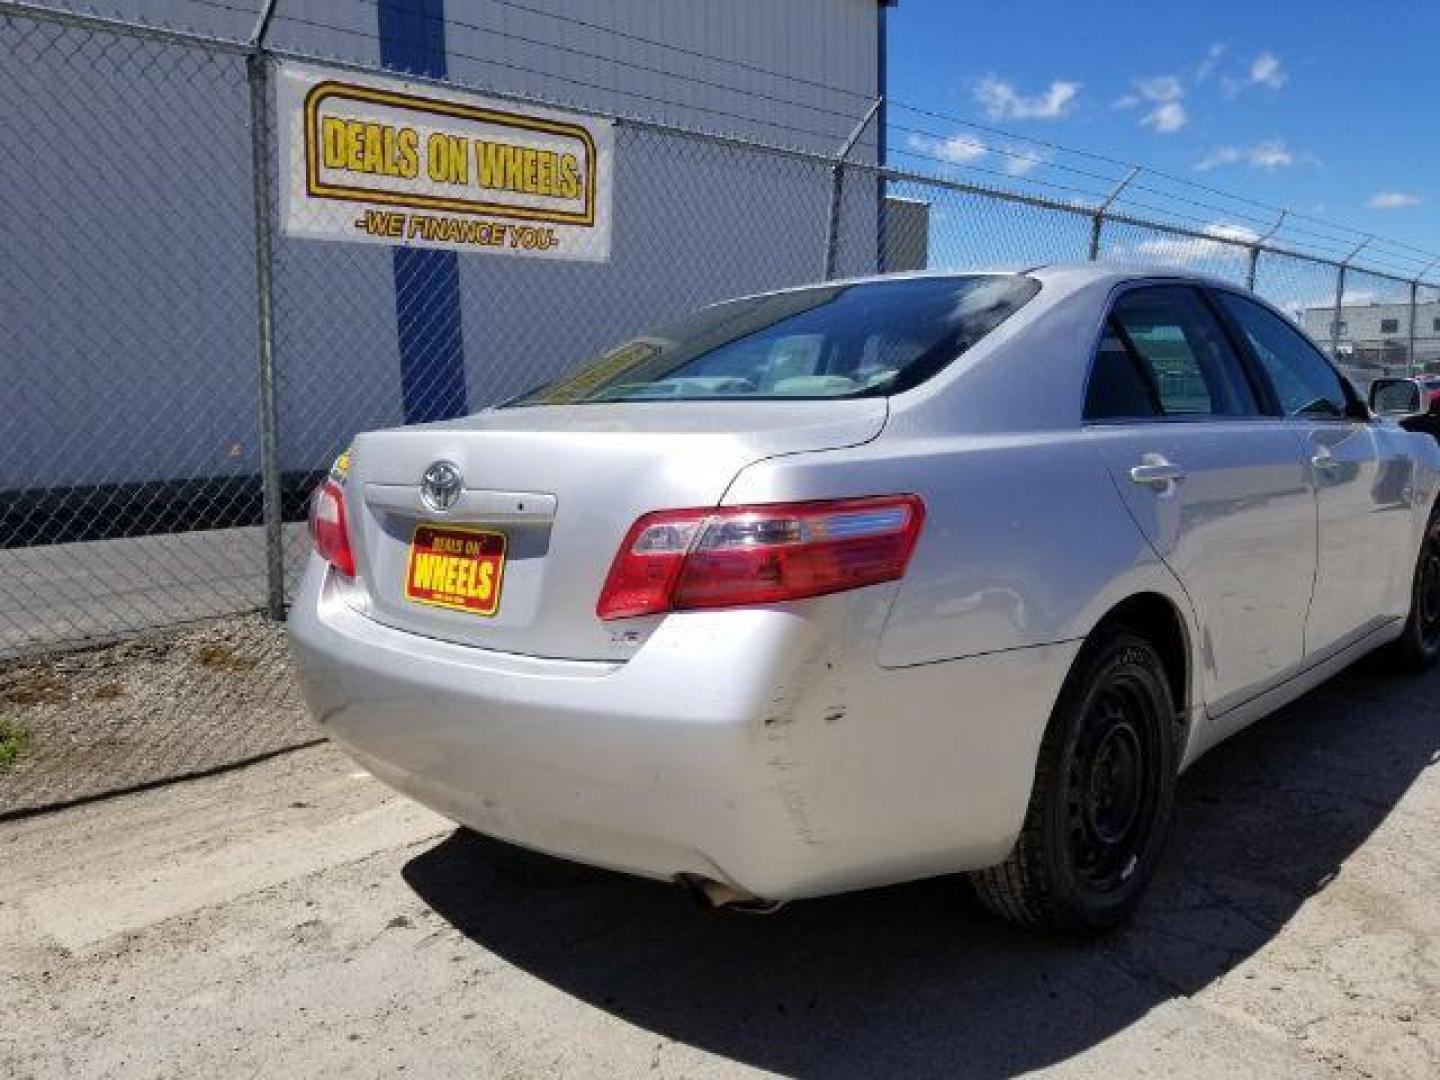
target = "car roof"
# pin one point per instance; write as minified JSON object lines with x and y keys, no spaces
{"x":1125,"y":271}
{"x":1059,"y":277}
{"x":1069,"y":274}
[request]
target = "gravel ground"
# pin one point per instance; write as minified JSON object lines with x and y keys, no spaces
{"x":147,"y":710}
{"x":293,"y":918}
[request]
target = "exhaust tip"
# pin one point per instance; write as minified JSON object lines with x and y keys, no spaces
{"x":716,"y":895}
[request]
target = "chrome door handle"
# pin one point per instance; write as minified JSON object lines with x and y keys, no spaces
{"x":1324,"y":461}
{"x":1154,"y":471}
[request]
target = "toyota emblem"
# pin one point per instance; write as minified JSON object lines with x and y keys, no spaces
{"x":441,"y":485}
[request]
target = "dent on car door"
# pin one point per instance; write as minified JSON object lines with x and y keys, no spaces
{"x":1218,"y":489}
{"x":1364,"y":485}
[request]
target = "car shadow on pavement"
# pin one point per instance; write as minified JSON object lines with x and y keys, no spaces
{"x":916,"y":979}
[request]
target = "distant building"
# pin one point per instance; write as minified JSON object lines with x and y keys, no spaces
{"x":1377,"y":335}
{"x":906,"y":235}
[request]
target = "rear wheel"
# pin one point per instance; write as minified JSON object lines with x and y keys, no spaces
{"x":1104,"y":789}
{"x":1418,"y":646}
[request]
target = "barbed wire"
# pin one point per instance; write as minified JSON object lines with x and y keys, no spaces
{"x":850,"y":115}
{"x":828,"y":136}
{"x":1341,"y":239}
{"x":640,"y":39}
{"x":1229,"y":208}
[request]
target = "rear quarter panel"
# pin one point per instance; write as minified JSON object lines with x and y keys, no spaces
{"x":1026,"y":541}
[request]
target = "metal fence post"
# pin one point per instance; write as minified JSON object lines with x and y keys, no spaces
{"x":1415,"y":313}
{"x":1343,"y":266}
{"x":257,"y":73}
{"x":1251,"y":266}
{"x":1335,"y":313}
{"x":837,"y":189}
{"x":1410,"y":350}
{"x":1097,"y":219}
{"x":1258,"y":246}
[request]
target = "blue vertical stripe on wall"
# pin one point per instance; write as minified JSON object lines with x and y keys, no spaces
{"x":882,"y":120}
{"x":427,"y":282}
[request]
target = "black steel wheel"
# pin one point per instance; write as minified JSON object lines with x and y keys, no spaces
{"x":1427,"y":590}
{"x":1104,"y":789}
{"x":1418,"y":646}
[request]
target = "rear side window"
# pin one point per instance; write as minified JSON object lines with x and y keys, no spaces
{"x":1163,"y":355}
{"x":840,"y":341}
{"x":1304,"y":381}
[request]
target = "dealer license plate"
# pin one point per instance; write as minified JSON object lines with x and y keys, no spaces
{"x":456,"y":567}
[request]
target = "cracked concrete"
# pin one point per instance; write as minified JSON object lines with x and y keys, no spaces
{"x":295,"y":918}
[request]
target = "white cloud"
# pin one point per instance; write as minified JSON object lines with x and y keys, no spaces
{"x":1160,"y":88}
{"x":1266,"y":70}
{"x":1242,"y":233}
{"x":1164,"y":94}
{"x":1270,"y":154}
{"x":1184,"y":250}
{"x":1223,"y":155}
{"x":1392,"y":200}
{"x":1022,"y":162}
{"x":1166,"y":118}
{"x":1001,"y":101}
{"x":964,"y":150}
{"x":1207,"y":66}
{"x":955,"y":150}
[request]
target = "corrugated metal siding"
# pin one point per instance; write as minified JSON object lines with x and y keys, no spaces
{"x":825,"y":42}
{"x":173,"y":395}
{"x":545,"y":48}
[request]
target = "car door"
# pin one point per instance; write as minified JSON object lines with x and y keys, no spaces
{"x":1217,"y":487}
{"x":1363,"y":484}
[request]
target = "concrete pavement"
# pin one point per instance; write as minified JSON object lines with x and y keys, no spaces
{"x":294,"y":918}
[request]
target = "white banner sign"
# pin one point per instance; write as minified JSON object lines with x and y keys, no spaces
{"x":383,"y":161}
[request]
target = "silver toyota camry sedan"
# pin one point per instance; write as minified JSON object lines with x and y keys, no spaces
{"x":870,"y":581}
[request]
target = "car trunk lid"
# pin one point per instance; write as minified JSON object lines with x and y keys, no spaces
{"x":546,"y":496}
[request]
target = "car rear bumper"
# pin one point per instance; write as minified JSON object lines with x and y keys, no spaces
{"x":754,"y":747}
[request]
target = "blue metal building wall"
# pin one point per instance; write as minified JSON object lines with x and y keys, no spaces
{"x":427,"y":283}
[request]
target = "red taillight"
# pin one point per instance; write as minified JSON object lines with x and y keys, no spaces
{"x":676,"y":559}
{"x":329,"y":529}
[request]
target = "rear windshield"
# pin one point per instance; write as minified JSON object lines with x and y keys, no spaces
{"x":842,"y":341}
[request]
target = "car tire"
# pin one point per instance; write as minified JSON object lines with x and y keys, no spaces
{"x":1103,"y":795}
{"x":1418,"y":646}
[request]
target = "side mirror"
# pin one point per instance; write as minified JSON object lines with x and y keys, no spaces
{"x":1397,"y":398}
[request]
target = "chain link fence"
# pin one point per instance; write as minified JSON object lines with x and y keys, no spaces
{"x":179,"y":373}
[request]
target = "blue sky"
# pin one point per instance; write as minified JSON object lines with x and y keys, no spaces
{"x":1329,"y":108}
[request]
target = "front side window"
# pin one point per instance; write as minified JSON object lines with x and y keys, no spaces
{"x":868,"y":339}
{"x":1304,"y":382}
{"x":1163,"y":355}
